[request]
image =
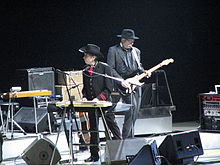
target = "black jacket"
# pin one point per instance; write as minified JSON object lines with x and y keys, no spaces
{"x":116,"y":58}
{"x":97,"y":86}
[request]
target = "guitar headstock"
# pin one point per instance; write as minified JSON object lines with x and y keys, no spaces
{"x":167,"y":61}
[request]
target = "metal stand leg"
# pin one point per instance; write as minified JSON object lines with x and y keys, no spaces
{"x":35,"y":116}
{"x":48,"y":116}
{"x":49,"y":124}
{"x":132,"y":125}
{"x":107,"y":133}
{"x":44,"y":105}
{"x":2,"y":121}
{"x":14,"y":122}
{"x":70,"y":140}
{"x":10,"y":117}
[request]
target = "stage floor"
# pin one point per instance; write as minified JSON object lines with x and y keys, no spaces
{"x":13,"y":148}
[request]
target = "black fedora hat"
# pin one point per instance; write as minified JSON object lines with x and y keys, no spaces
{"x":128,"y":34}
{"x":91,"y":49}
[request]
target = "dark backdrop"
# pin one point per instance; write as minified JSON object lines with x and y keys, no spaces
{"x":49,"y":34}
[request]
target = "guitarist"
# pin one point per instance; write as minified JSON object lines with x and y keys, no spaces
{"x":125,"y":61}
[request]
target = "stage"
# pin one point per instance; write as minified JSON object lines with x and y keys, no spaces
{"x":13,"y":148}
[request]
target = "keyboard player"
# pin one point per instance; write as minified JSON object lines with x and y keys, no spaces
{"x":97,"y":88}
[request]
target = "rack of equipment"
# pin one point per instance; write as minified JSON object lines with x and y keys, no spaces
{"x":209,"y":105}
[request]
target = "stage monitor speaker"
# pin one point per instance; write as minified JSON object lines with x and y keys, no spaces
{"x":40,"y":152}
{"x":148,"y":154}
{"x":180,"y":148}
{"x":119,"y":152}
{"x":26,"y":119}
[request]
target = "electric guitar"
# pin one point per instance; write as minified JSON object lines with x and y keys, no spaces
{"x":135,"y":81}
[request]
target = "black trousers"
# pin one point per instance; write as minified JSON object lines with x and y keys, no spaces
{"x":94,"y":125}
{"x":131,"y":115}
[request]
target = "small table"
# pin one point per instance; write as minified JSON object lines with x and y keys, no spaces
{"x":22,"y":94}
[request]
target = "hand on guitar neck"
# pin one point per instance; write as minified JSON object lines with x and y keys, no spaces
{"x":133,"y":82}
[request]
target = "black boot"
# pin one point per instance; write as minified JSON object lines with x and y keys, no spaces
{"x":83,"y":146}
{"x":92,"y":159}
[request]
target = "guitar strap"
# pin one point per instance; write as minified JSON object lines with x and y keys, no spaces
{"x":136,"y":57}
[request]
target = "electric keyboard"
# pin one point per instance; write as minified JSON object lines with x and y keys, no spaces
{"x":86,"y":104}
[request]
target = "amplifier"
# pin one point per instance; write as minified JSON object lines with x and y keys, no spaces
{"x":209,"y":111}
{"x":45,"y":78}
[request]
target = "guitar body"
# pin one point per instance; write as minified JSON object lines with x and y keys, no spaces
{"x":135,"y":81}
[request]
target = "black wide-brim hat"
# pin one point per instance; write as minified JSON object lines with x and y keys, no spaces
{"x":92,"y":49}
{"x":128,"y":34}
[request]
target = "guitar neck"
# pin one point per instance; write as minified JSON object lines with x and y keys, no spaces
{"x":149,"y":71}
{"x":155,"y":68}
{"x":135,"y":80}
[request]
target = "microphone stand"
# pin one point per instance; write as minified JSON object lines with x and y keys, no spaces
{"x":111,"y":77}
{"x":71,"y":115}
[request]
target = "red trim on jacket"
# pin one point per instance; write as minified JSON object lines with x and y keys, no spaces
{"x":91,"y":69}
{"x":102,"y":96}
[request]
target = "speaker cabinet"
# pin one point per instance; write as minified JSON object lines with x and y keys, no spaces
{"x":148,"y":154}
{"x":180,"y":148}
{"x":25,"y":118}
{"x":45,"y":78}
{"x":118,"y":152}
{"x":41,"y":81}
{"x":40,"y":152}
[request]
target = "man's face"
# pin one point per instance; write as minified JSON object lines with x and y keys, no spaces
{"x":89,"y":59}
{"x":127,"y":43}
